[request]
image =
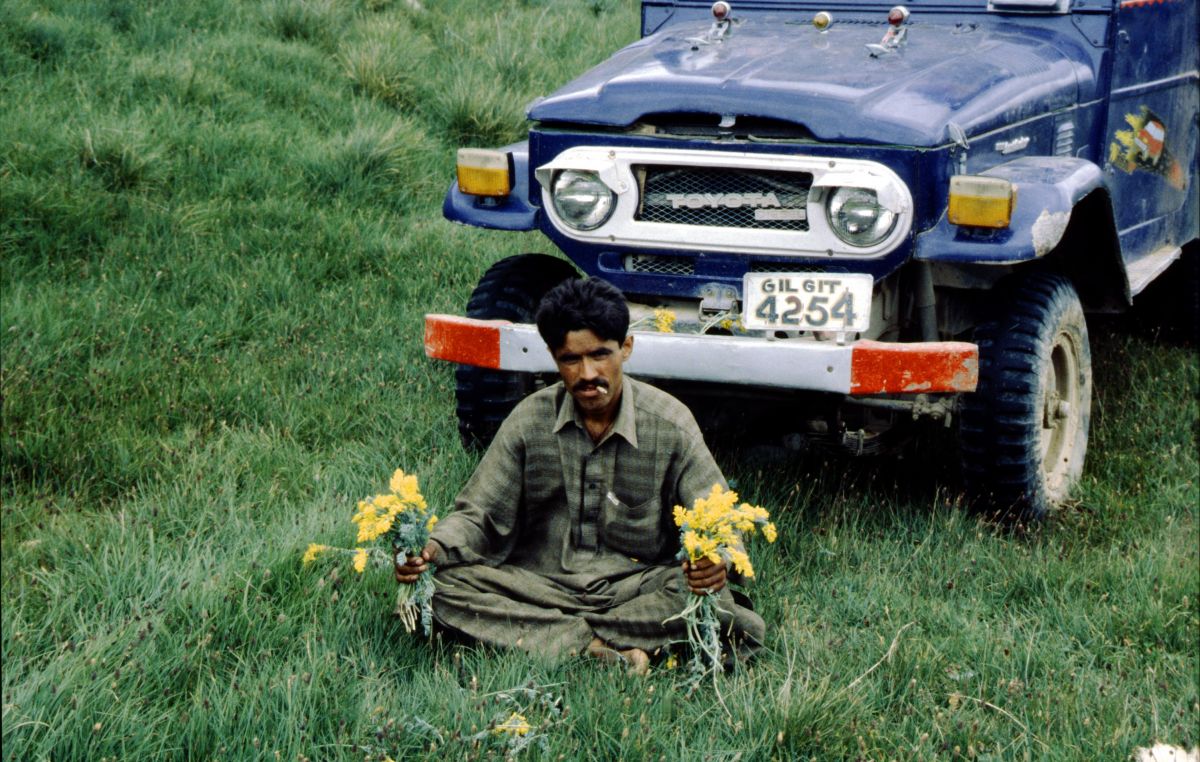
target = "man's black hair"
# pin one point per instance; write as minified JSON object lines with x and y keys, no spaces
{"x":578,"y":304}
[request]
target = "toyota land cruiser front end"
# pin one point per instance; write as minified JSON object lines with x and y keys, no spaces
{"x":887,"y":214}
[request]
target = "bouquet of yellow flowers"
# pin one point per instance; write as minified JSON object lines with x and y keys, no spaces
{"x":715,"y":528}
{"x":404,"y":518}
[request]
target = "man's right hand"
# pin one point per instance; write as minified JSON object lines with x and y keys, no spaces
{"x":414,"y":566}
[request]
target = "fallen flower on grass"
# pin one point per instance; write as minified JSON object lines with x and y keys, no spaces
{"x":516,"y":725}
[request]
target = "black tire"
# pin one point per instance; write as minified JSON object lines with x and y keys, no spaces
{"x":509,"y":290}
{"x":1023,"y":433}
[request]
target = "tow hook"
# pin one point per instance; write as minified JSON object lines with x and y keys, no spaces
{"x":716,"y":298}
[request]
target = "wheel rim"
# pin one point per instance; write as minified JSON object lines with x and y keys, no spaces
{"x":1060,"y":412}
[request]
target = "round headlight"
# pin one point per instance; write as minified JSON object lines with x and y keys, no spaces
{"x":581,"y":199}
{"x":857,"y":217}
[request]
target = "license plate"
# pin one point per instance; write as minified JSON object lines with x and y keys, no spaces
{"x":800,"y":301}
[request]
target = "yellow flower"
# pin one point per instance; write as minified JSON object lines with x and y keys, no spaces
{"x":366,"y":519}
{"x":313,"y":551}
{"x":664,"y":320}
{"x":727,"y":535}
{"x":400,"y":481}
{"x":360,"y":560}
{"x":405,"y":487}
{"x":699,"y":546}
{"x":691,"y":543}
{"x":515,"y":725}
{"x":752,"y":512}
{"x":709,"y":512}
{"x":365,"y":510}
{"x":740,"y":561}
{"x":429,"y":525}
{"x":715,"y":526}
{"x":671,"y":662}
{"x":371,"y":523}
{"x":390,"y":504}
{"x":725,"y":498}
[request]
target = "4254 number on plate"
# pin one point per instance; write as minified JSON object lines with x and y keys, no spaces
{"x":799,"y":301}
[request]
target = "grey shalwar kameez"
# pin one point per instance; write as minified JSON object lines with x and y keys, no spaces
{"x":557,"y":539}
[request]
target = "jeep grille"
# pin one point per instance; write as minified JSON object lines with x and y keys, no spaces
{"x":720,"y":197}
{"x":650,"y":263}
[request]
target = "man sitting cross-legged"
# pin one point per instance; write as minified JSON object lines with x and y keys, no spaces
{"x":563,"y":539}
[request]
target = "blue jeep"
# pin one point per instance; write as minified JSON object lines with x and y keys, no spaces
{"x":883,"y":213}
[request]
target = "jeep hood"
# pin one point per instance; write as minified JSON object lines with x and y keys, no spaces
{"x":976,"y":76}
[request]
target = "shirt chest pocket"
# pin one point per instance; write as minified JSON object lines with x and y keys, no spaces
{"x":635,"y":531}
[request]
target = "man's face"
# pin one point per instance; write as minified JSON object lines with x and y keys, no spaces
{"x":591,"y":370}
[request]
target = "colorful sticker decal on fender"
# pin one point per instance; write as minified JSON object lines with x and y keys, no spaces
{"x":1144,"y":148}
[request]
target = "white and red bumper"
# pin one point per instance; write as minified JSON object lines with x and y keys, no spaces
{"x":859,"y":368}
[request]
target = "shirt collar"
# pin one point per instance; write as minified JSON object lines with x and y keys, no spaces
{"x":625,"y":424}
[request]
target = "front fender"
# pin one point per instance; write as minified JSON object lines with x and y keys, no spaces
{"x":1048,"y":188}
{"x":513,"y":212}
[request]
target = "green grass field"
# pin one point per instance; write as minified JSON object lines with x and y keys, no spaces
{"x":219,"y":230}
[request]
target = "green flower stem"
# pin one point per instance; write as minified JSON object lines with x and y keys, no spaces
{"x":415,"y":602}
{"x":703,"y":636}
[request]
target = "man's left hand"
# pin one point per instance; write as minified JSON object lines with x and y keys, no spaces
{"x":704,"y":576}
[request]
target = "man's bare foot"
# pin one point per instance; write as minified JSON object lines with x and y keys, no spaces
{"x":636,"y":661}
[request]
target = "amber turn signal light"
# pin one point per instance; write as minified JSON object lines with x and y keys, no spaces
{"x":483,"y":172}
{"x":981,"y":202}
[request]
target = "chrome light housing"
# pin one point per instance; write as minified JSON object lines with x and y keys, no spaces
{"x":581,"y":199}
{"x":856,"y":216}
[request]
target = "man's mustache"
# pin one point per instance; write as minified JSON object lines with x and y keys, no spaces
{"x":583,"y":386}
